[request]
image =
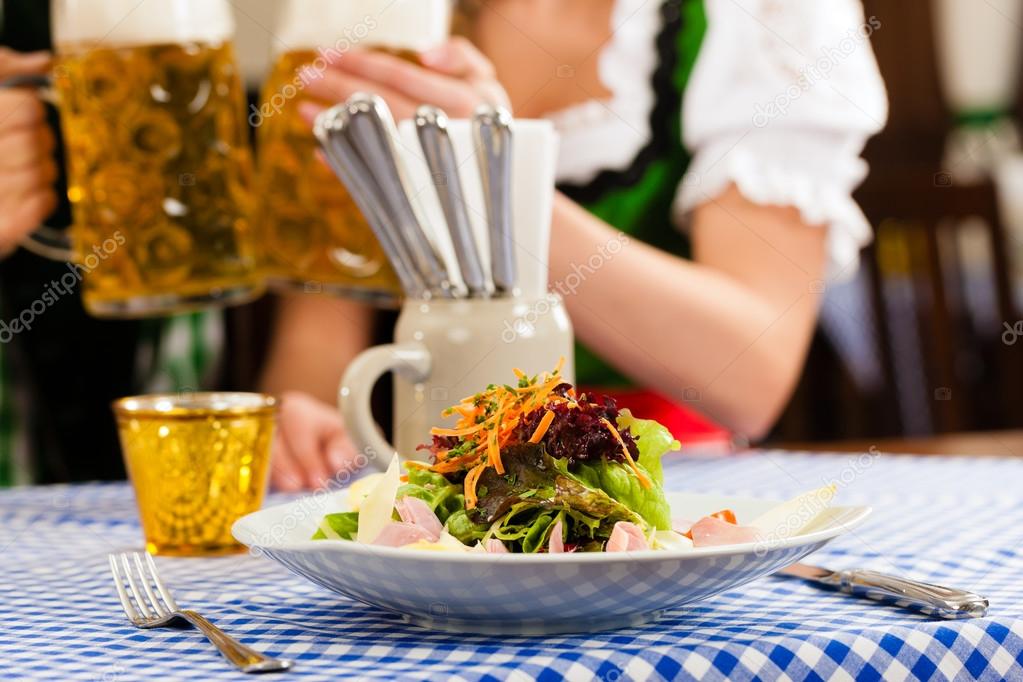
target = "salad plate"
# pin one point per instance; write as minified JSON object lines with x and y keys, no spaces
{"x":530,"y":594}
{"x":541,"y":510}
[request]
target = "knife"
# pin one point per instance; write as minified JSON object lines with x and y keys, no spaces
{"x":933,"y":600}
{"x":432,"y":128}
{"x":492,"y":136}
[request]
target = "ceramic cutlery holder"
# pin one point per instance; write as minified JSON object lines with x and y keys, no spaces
{"x":451,"y":340}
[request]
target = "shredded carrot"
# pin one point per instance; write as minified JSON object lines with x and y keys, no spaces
{"x":494,"y":449}
{"x":542,"y":427}
{"x":487,"y":421}
{"x":470,"y":485}
{"x":438,"y":431}
{"x":643,"y":480}
{"x":467,"y":412}
{"x":518,"y":373}
{"x":456,"y":464}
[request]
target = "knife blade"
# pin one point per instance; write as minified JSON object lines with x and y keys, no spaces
{"x":935,"y":600}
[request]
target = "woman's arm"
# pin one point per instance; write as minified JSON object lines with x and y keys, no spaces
{"x":733,"y":326}
{"x":730,"y":329}
{"x":314,"y":339}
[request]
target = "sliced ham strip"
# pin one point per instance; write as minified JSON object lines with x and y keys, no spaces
{"x":399,"y":534}
{"x":495,"y":546}
{"x":556,"y":545}
{"x":415,"y":511}
{"x":626,"y":537}
{"x":711,"y":532}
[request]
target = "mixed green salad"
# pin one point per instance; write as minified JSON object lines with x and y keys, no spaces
{"x":531,"y":467}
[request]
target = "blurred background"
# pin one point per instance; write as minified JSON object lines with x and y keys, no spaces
{"x":927,"y":339}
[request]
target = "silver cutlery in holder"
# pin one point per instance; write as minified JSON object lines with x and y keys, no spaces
{"x":432,"y":129}
{"x":492,"y":134}
{"x":463,"y":210}
{"x":360,"y":142}
{"x":449,"y":232}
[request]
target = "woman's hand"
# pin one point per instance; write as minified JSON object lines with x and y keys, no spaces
{"x":454,"y":76}
{"x":310,"y":446}
{"x":27,"y":168}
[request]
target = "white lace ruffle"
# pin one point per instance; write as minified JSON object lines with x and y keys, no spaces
{"x":608,"y":134}
{"x":814,"y":172}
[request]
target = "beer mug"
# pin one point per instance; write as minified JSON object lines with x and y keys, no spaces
{"x":153,"y":114}
{"x":445,"y":350}
{"x":312,"y":235}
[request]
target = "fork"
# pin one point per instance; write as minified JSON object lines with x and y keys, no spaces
{"x":149,"y":608}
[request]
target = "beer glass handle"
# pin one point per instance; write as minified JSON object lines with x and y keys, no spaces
{"x":48,"y":242}
{"x":410,"y":360}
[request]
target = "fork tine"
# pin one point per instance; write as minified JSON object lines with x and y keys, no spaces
{"x":129,"y":610}
{"x":133,"y":590}
{"x":164,"y":592}
{"x":146,"y":578}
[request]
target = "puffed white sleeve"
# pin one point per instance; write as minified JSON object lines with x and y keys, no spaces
{"x":783,"y":96}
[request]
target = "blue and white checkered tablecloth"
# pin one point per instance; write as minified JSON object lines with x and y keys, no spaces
{"x":957,"y":521}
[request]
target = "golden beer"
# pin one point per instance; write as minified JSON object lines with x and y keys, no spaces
{"x":311,"y":233}
{"x":310,"y":230}
{"x":158,"y":175}
{"x":197,"y":462}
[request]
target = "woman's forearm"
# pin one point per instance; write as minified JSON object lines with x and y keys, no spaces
{"x":728,"y":334}
{"x":314,"y":339}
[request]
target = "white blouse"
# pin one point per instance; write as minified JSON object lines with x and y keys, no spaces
{"x":781,"y":101}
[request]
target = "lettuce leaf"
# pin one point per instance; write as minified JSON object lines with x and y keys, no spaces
{"x":621,"y":484}
{"x":528,"y":525}
{"x":345,"y":524}
{"x":521,"y":506}
{"x":652,"y":440}
{"x":464,"y":529}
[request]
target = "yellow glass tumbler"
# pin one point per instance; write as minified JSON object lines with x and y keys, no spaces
{"x":198,"y":462}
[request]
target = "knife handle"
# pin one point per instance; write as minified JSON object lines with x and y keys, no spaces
{"x":945,"y":602}
{"x":492,"y":136}
{"x":434,"y":140}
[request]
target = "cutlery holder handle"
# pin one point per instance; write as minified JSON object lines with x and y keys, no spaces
{"x":945,"y":602}
{"x":411,"y":360}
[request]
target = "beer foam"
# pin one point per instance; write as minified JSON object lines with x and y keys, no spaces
{"x":129,"y":23}
{"x":342,"y":24}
